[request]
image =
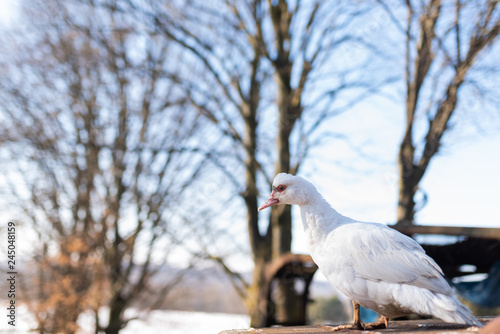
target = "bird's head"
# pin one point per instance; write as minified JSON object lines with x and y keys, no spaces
{"x":289,"y":189}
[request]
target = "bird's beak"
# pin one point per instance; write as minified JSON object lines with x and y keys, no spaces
{"x":270,"y":202}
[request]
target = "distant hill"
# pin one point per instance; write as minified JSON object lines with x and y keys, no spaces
{"x":204,"y":290}
{"x":210,"y":290}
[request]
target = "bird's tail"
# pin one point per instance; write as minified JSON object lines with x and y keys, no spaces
{"x":450,"y":309}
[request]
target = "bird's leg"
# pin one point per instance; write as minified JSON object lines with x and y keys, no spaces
{"x":356,"y":317}
{"x":356,"y":320}
{"x":382,"y":322}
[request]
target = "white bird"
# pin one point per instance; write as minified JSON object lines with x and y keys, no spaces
{"x":373,"y":265}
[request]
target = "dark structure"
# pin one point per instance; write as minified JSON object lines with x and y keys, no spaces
{"x":296,"y":268}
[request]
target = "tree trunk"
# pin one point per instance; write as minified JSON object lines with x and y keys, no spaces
{"x":278,"y":239}
{"x":407,"y":181}
{"x":406,"y":201}
{"x":116,"y":308}
{"x":260,"y":310}
{"x":287,"y":297}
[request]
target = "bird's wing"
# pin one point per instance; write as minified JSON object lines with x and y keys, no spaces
{"x":378,"y":253}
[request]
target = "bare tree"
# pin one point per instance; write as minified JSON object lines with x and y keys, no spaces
{"x":448,"y":46}
{"x":267,"y":74}
{"x":95,"y":139}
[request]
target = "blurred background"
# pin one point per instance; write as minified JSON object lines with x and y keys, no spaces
{"x":137,"y":139}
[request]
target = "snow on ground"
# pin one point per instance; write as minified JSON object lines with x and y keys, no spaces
{"x":175,"y":322}
{"x":180,"y":322}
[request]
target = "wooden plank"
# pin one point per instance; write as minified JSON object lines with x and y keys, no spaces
{"x":431,"y":326}
{"x":283,"y":330}
{"x":475,"y":232}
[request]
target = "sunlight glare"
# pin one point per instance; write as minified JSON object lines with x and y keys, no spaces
{"x":8,"y":12}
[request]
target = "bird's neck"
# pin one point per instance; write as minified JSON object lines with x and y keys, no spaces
{"x":319,"y":218}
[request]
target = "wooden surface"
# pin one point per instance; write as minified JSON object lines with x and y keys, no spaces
{"x":475,"y":232}
{"x":413,"y":326}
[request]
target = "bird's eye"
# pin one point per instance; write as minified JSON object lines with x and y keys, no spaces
{"x":281,"y":188}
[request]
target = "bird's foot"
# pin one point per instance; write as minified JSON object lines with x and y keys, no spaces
{"x":382,"y":323}
{"x":355,"y":326}
{"x":375,"y":325}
